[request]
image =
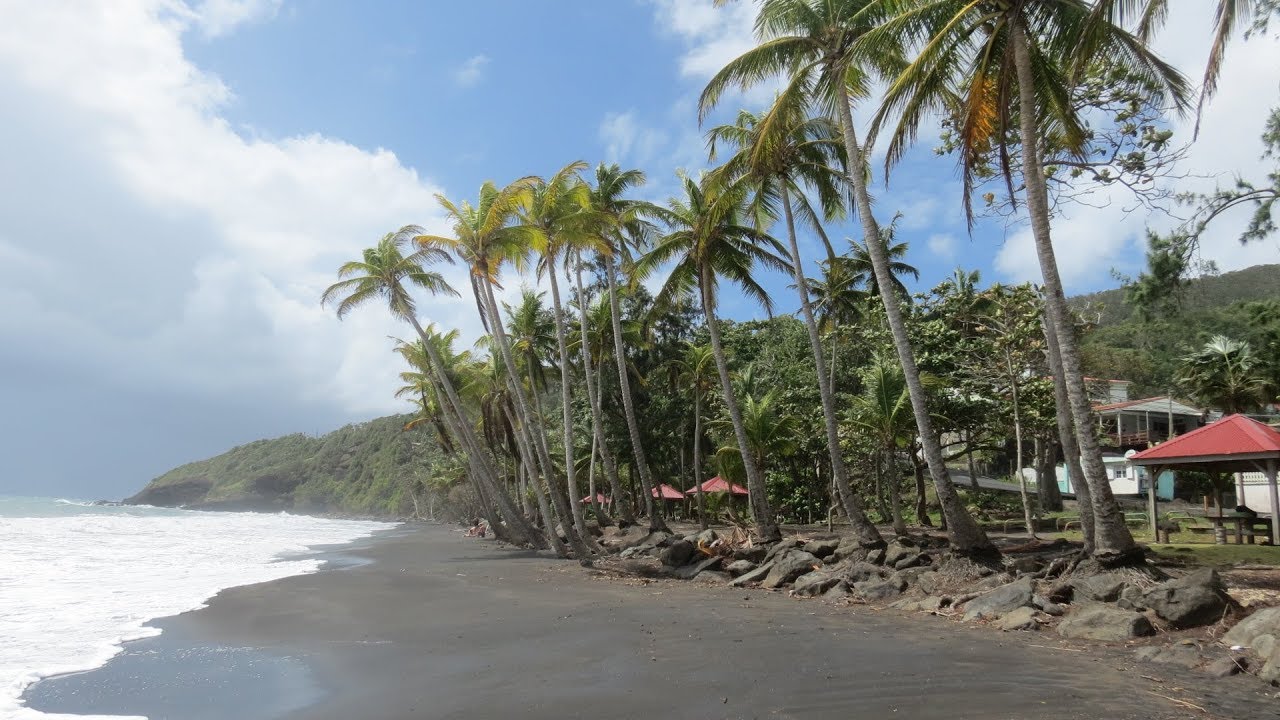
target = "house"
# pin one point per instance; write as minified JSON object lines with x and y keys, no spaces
{"x":1126,"y":479}
{"x":1137,"y":424}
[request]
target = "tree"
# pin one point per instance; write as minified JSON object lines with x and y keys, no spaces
{"x":696,"y":370}
{"x":1225,"y":374}
{"x":709,"y":241}
{"x":1008,"y":61}
{"x":816,"y":45}
{"x":385,"y":273}
{"x":779,"y":155}
{"x":883,"y":412}
{"x":860,"y":263}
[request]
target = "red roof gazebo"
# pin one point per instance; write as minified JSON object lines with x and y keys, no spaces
{"x":600,"y":499}
{"x":1233,"y":444}
{"x":718,"y":484}
{"x":667,"y":492}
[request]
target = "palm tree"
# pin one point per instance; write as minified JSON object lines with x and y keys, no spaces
{"x":708,"y":241}
{"x":385,"y":273}
{"x":1000,"y":61}
{"x":838,"y":303}
{"x":770,"y":433}
{"x":486,"y":240}
{"x":532,"y":331}
{"x":779,"y":156}
{"x":883,"y":411}
{"x":696,"y":369}
{"x":1224,"y":374}
{"x":623,"y":220}
{"x":816,"y":45}
{"x":862,"y":265}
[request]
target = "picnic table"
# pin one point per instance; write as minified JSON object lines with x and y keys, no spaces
{"x":1243,"y":523}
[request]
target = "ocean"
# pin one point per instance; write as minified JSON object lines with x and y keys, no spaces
{"x":77,"y":580}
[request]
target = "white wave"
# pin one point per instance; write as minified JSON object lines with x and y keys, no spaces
{"x":75,"y":587}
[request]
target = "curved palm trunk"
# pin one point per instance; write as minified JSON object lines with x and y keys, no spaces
{"x":865,"y":532}
{"x":697,"y":452}
{"x":1067,"y":436}
{"x":1046,"y":482}
{"x":536,"y":434}
{"x":964,"y":534}
{"x":566,"y":405}
{"x":765,"y":526}
{"x":1017,"y":439}
{"x":1113,"y":543}
{"x":521,"y":531}
{"x":895,"y":492}
{"x":648,"y":487}
{"x":597,"y":415}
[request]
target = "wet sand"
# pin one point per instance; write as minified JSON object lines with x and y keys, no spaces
{"x":424,"y":623}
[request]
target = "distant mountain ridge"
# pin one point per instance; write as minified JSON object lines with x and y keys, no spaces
{"x":1253,"y":283}
{"x":359,"y":469}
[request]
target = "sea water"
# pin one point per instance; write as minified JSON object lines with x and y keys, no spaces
{"x":77,"y":580}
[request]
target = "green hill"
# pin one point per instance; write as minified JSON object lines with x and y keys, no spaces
{"x":1259,"y":282}
{"x":359,"y":469}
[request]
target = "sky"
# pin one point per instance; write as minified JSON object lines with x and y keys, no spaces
{"x":181,"y":180}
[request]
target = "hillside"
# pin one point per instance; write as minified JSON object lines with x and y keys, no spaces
{"x":358,"y":469}
{"x":1259,"y":282}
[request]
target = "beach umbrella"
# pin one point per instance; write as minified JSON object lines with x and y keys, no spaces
{"x":718,"y":484}
{"x":666,"y":492}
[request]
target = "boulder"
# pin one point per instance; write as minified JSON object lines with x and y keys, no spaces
{"x":848,"y":549}
{"x":1190,"y":601}
{"x":930,"y":582}
{"x":897,"y":550}
{"x":933,"y":603}
{"x":1004,"y":599}
{"x":1048,"y":606}
{"x":755,"y":553}
{"x":1186,"y":656}
{"x":875,"y":556}
{"x":875,"y":590}
{"x":911,"y":561}
{"x":815,"y":583}
{"x":1025,"y":565}
{"x":1247,"y":631}
{"x":1225,"y":667}
{"x":836,"y":592}
{"x":1101,"y":622}
{"x":821,"y":548}
{"x":706,"y":537}
{"x":637,"y":551}
{"x":714,"y":576}
{"x":740,"y":567}
{"x":756,"y":575}
{"x":862,"y":571}
{"x":789,"y":566}
{"x":780,"y":548}
{"x":1264,"y":645}
{"x":1132,"y":598}
{"x":1099,"y":588}
{"x":913,"y":574}
{"x":678,"y":553}
{"x":689,"y":572}
{"x":1023,"y":618}
{"x":1270,"y":671}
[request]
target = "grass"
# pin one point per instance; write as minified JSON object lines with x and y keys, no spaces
{"x":1199,"y":549}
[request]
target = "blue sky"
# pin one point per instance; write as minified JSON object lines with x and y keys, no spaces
{"x":182,"y":180}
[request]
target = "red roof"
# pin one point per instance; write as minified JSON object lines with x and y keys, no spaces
{"x":668,"y":492}
{"x":717,"y":484}
{"x":1232,"y":435}
{"x":600,"y":499}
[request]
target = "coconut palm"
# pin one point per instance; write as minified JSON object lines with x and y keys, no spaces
{"x":385,"y":273}
{"x":486,"y":240}
{"x":883,"y":411}
{"x":532,"y":330}
{"x":709,"y":240}
{"x":861,"y":264}
{"x":622,"y":223}
{"x":816,"y":45}
{"x":779,"y":156}
{"x":1224,"y":374}
{"x":696,"y":369}
{"x":1002,"y":62}
{"x":770,"y":433}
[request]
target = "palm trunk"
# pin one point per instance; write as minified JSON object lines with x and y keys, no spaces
{"x":1067,"y":436}
{"x":973,"y":466}
{"x":766,"y":528}
{"x":863,"y":530}
{"x":922,"y":501}
{"x":478,"y":461}
{"x":628,"y":406}
{"x":965,"y":535}
{"x":1113,"y":543}
{"x":1046,"y":481}
{"x":566,"y":404}
{"x":1017,"y":439}
{"x":532,"y":428}
{"x":697,"y":452}
{"x":895,"y":493}
{"x":593,"y":398}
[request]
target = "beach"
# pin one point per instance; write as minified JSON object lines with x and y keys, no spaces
{"x":420,"y":622}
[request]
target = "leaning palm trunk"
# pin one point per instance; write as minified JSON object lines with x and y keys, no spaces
{"x":527,"y":466}
{"x":973,"y":466}
{"x":697,"y":453}
{"x":1017,"y":440}
{"x":1113,"y":543}
{"x":534,"y":430}
{"x":478,"y":462}
{"x":647,"y":486}
{"x":1067,"y":436}
{"x":597,"y":415}
{"x":756,"y":489}
{"x":965,"y":535}
{"x":895,"y":492}
{"x":863,"y":530}
{"x":566,"y":404}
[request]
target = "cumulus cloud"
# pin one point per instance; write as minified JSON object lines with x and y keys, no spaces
{"x":147,"y":244}
{"x":471,"y":71}
{"x":942,"y":246}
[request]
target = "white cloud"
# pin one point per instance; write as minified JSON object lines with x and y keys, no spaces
{"x":942,"y":246}
{"x":471,"y":71}
{"x":148,"y":244}
{"x":217,"y":17}
{"x":627,"y":140}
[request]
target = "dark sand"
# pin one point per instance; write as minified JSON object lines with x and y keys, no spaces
{"x":441,"y":626}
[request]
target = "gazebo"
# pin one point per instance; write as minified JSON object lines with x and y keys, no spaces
{"x":718,"y":484}
{"x":1233,"y":444}
{"x":600,"y":499}
{"x":666,"y":492}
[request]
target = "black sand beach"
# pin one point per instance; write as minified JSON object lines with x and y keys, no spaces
{"x":441,"y":626}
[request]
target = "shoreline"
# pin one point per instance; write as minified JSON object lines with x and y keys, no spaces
{"x":419,"y":621}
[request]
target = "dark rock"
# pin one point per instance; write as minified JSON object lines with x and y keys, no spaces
{"x":706,"y":537}
{"x":714,"y":576}
{"x":1048,"y":606}
{"x":930,"y":582}
{"x":756,"y":575}
{"x":896,"y":551}
{"x":875,"y":590}
{"x":862,"y":571}
{"x":779,"y":548}
{"x":1186,"y":656}
{"x":755,"y":553}
{"x":679,"y":553}
{"x":849,"y":549}
{"x":1062,"y":591}
{"x":1023,"y":618}
{"x":815,"y":583}
{"x":1270,"y":671}
{"x":1226,"y":667}
{"x":837,"y":591}
{"x":1025,"y":565}
{"x":689,"y":572}
{"x":1102,"y":622}
{"x":740,"y":567}
{"x":1131,"y":598}
{"x":1099,"y":588}
{"x":821,"y":548}
{"x":1191,"y":601}
{"x":911,"y":561}
{"x":995,"y":603}
{"x":789,"y":566}
{"x":913,"y":574}
{"x":875,"y":556}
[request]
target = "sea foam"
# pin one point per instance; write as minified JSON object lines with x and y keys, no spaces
{"x":77,"y":580}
